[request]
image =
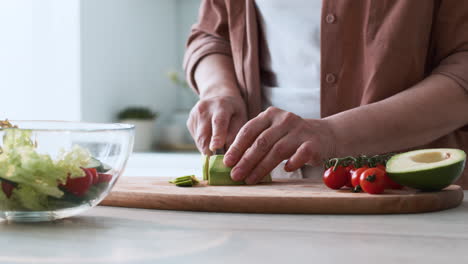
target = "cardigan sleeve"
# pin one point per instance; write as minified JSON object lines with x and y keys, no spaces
{"x":208,"y":36}
{"x":450,"y":37}
{"x":451,"y":41}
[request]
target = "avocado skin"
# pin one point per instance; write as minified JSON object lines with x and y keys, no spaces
{"x":432,"y":179}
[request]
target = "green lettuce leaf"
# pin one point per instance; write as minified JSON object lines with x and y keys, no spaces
{"x":30,"y":198}
{"x":37,"y":175}
{"x":73,"y":161}
{"x":14,"y":138}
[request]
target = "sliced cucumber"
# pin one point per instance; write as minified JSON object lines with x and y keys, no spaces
{"x":206,"y":167}
{"x":98,"y":165}
{"x":94,"y":163}
{"x":103,"y":168}
{"x":219,"y":174}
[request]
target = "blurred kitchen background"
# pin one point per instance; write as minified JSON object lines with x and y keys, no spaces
{"x":93,"y":60}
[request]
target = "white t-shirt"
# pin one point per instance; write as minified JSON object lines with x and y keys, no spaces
{"x":292,"y":32}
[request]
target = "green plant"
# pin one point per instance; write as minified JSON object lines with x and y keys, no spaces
{"x":188,"y":97}
{"x":174,"y":77}
{"x":136,"y":113}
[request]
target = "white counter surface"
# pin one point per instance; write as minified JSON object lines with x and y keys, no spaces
{"x":164,"y":164}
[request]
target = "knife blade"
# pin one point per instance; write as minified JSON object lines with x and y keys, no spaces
{"x":220,"y":151}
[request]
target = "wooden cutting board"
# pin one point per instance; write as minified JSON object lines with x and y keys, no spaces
{"x":303,"y":196}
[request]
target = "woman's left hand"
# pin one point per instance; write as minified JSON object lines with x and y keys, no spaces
{"x":276,"y":135}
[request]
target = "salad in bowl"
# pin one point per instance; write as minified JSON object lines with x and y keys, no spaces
{"x":51,"y":170}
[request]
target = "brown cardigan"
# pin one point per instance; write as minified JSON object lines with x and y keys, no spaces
{"x":370,"y":50}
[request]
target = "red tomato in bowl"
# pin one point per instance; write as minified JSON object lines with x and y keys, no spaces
{"x":103,"y":177}
{"x":94,"y":172}
{"x":7,"y":188}
{"x":79,"y":186}
{"x":373,"y":181}
{"x":335,"y":178}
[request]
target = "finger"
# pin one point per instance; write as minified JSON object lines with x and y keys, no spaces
{"x":203,"y":137}
{"x":256,"y":152}
{"x":307,"y":153}
{"x":220,"y":123}
{"x":244,"y":139}
{"x":237,"y":121}
{"x":282,"y":150}
{"x":190,"y":126}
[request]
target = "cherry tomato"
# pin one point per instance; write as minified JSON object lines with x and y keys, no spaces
{"x":381,"y":166}
{"x":95,"y":175}
{"x":355,"y":177}
{"x":7,"y":188}
{"x":349,"y":172}
{"x":79,"y":186}
{"x":373,"y":181}
{"x":335,"y":179}
{"x":104,"y":177}
{"x":391,"y":184}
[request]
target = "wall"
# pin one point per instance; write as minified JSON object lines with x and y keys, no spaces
{"x":127,"y":46}
{"x":88,"y":59}
{"x":187,"y":12}
{"x":39,"y":59}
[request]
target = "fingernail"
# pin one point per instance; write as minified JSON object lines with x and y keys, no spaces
{"x":212,"y":147}
{"x":207,"y":152}
{"x":237,"y":173}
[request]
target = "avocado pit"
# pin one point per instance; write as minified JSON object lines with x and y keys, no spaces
{"x":430,"y":157}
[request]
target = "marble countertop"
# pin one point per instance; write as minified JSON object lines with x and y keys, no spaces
{"x":123,"y":235}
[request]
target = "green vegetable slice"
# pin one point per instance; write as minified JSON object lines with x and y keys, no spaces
{"x":205,"y":168}
{"x":185,"y":181}
{"x":98,"y":165}
{"x":219,"y":174}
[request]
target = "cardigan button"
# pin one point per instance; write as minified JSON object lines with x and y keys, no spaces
{"x":330,"y":78}
{"x":330,"y":18}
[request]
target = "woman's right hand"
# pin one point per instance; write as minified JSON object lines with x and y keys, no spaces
{"x":215,"y":121}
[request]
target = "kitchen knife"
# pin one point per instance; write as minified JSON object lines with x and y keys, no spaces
{"x":220,"y":151}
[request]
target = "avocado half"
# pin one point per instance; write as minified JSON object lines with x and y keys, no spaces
{"x":427,"y":169}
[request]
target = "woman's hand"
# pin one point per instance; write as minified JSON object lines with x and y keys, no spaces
{"x":276,"y":135}
{"x":215,"y":121}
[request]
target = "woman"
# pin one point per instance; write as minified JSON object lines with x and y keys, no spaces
{"x":393,"y":76}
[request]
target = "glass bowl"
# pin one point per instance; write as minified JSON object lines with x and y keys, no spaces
{"x":52,"y":169}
